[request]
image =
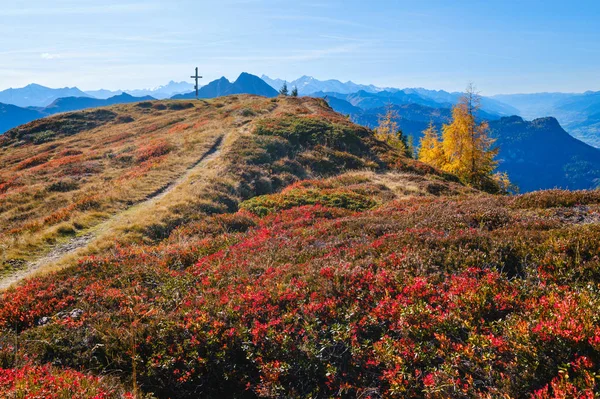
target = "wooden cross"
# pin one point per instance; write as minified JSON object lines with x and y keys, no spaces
{"x":196,"y":77}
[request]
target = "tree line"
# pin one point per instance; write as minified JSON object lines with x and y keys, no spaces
{"x":285,"y":92}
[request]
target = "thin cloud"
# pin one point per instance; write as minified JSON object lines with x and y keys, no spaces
{"x":50,"y":56}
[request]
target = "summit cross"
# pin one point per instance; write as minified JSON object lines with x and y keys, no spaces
{"x":196,"y":77}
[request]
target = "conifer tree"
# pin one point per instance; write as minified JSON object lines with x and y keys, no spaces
{"x":295,"y":92}
{"x":388,"y":129}
{"x":284,"y":90}
{"x":410,"y":146}
{"x":465,"y":148}
{"x":466,"y":144}
{"x":430,"y":147}
{"x":388,"y":122}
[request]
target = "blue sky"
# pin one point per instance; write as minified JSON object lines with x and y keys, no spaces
{"x":502,"y":46}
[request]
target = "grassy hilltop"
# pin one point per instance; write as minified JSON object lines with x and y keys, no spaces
{"x":252,"y":247}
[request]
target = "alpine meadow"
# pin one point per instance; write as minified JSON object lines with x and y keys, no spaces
{"x":256,"y":237}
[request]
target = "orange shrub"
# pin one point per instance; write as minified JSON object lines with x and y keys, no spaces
{"x":155,"y":149}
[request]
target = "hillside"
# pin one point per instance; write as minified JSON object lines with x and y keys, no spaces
{"x":537,"y":155}
{"x":65,"y":174}
{"x":67,"y":104}
{"x":540,"y":154}
{"x":576,"y":112}
{"x":253,"y":247}
{"x":11,"y":116}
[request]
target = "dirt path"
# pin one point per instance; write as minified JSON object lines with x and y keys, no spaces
{"x":63,"y":250}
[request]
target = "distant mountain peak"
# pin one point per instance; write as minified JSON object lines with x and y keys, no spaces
{"x":246,"y":83}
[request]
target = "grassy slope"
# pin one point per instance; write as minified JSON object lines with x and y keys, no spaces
{"x":63,"y":175}
{"x":60,"y":177}
{"x":313,"y":261}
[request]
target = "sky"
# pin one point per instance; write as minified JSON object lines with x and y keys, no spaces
{"x":509,"y":46}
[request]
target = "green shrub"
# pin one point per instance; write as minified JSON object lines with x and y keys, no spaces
{"x":264,"y":205}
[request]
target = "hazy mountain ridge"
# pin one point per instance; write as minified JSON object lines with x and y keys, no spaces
{"x":76,"y":103}
{"x":308,"y":85}
{"x":161,"y":92}
{"x":12,"y":116}
{"x":370,"y":96}
{"x":577,"y":112}
{"x":35,"y":95}
{"x":244,"y":84}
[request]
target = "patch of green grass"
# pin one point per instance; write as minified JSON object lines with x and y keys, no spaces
{"x":333,"y":198}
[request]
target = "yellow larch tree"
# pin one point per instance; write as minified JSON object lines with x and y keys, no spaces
{"x":430,"y":147}
{"x":466,"y":143}
{"x":466,"y":146}
{"x":388,"y":129}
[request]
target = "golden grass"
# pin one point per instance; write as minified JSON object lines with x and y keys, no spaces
{"x":91,"y":176}
{"x":104,"y":182}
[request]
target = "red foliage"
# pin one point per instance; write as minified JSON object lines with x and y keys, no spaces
{"x":49,"y":383}
{"x":154,"y":149}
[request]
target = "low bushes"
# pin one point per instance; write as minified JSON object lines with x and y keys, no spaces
{"x":421,"y":297}
{"x":556,"y":198}
{"x":344,"y":199}
{"x":50,"y":383}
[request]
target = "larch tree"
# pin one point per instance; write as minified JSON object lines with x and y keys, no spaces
{"x":466,"y":143}
{"x":430,"y":147}
{"x":388,"y":129}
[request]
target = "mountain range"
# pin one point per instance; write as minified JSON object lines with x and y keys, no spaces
{"x":579,"y":113}
{"x":308,"y":85}
{"x":244,"y":84}
{"x":537,"y":154}
{"x":12,"y":115}
{"x":161,"y":92}
{"x":35,"y":95}
{"x":371,"y":96}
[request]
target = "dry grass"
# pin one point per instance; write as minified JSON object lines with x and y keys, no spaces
{"x":99,"y":181}
{"x":74,"y":183}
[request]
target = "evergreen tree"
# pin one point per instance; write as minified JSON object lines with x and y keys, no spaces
{"x":401,"y":137}
{"x":410,"y":146}
{"x":295,"y":92}
{"x":284,"y":90}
